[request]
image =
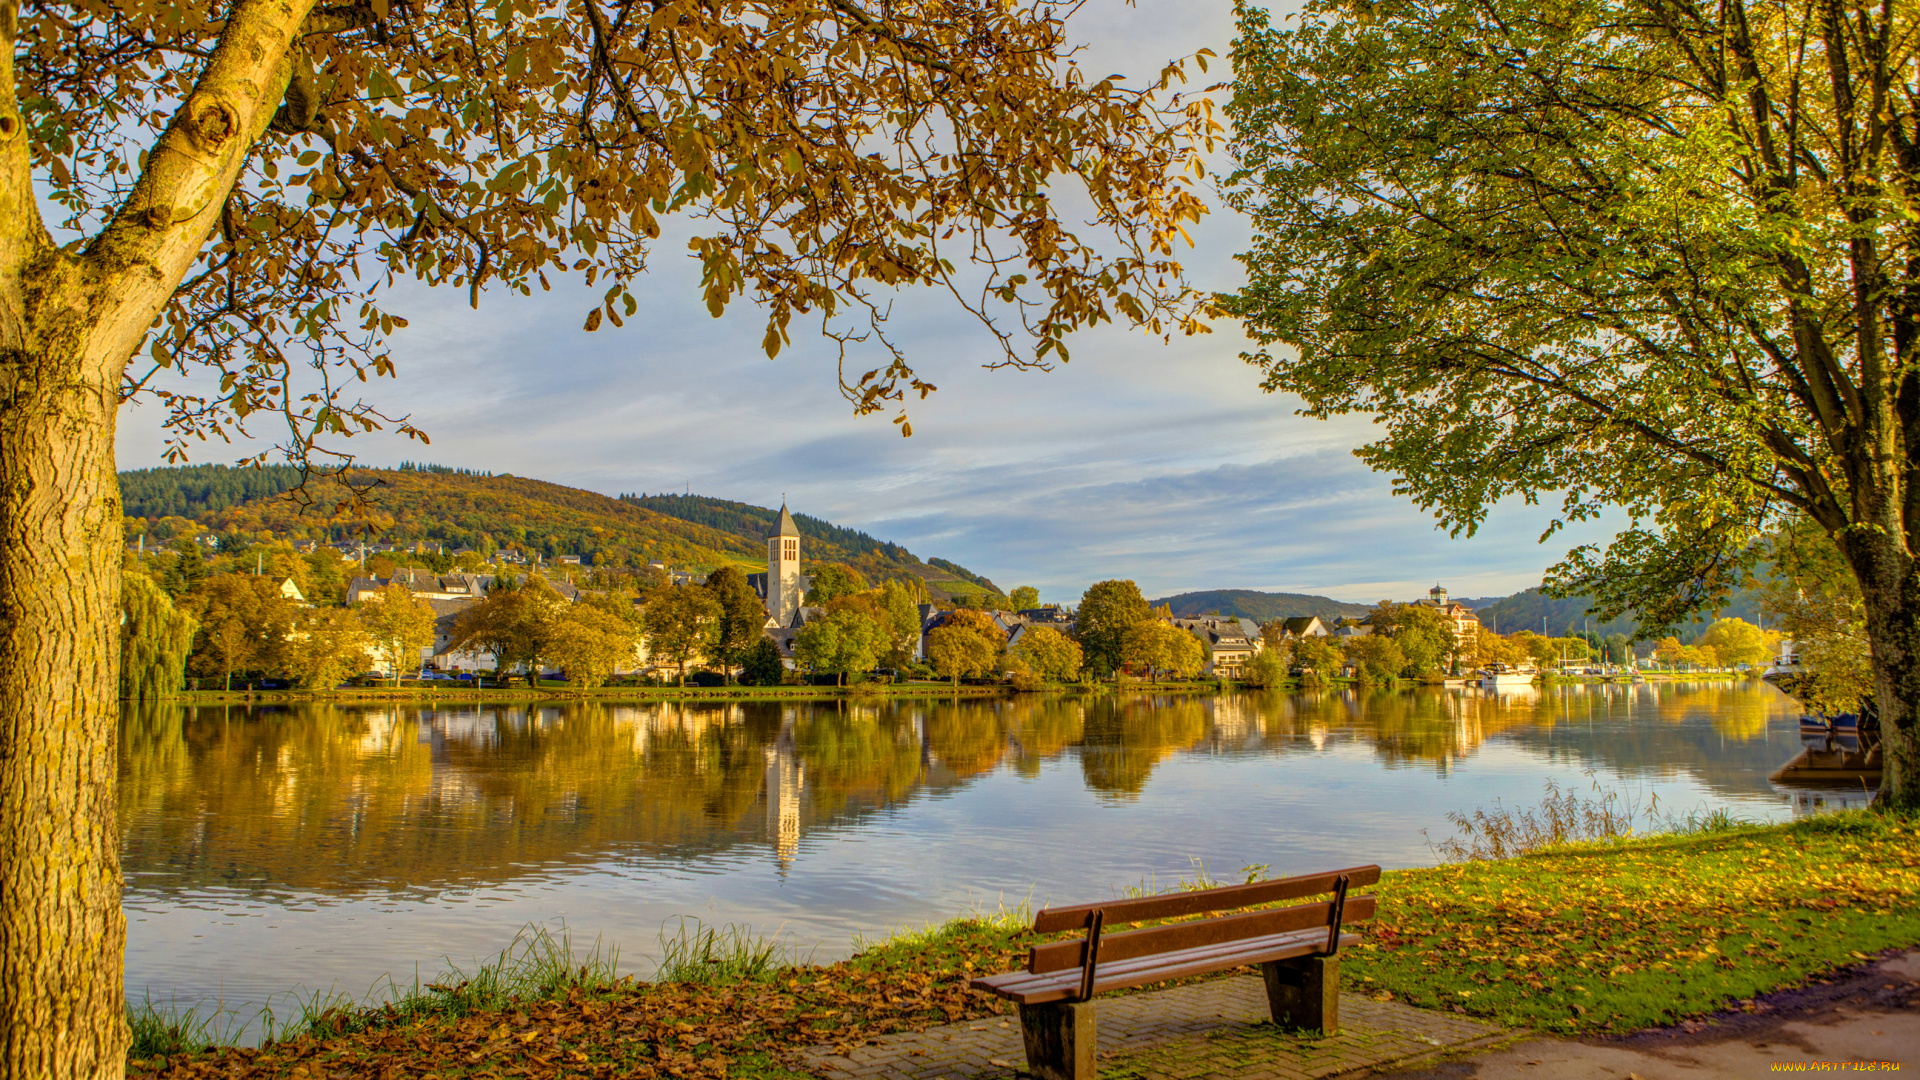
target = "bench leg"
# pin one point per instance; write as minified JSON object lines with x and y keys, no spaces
{"x":1060,"y":1040}
{"x":1304,"y":993}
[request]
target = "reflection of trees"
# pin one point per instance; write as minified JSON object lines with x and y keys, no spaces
{"x":1126,"y":737}
{"x":349,"y":799}
{"x":1043,"y":727}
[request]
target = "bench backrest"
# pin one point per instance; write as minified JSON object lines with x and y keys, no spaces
{"x":1061,"y":955}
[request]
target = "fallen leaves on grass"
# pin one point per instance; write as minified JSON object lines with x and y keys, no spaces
{"x":1618,"y":937}
{"x":685,"y":1030}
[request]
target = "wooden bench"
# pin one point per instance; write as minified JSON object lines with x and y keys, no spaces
{"x":1297,"y":948}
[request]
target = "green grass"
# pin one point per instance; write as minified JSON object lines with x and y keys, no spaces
{"x":1627,"y":933}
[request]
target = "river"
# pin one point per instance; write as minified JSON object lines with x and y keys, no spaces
{"x":289,"y":849}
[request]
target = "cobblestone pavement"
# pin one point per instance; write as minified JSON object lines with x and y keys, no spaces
{"x":1211,"y":1029}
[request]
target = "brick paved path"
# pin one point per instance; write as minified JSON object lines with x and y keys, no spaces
{"x":1211,"y":1029}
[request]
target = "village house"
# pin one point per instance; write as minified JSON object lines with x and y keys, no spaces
{"x":1230,"y":643}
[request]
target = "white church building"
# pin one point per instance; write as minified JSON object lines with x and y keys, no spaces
{"x":783,"y":587}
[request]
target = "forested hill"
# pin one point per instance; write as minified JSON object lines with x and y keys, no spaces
{"x":1259,"y":606}
{"x":1528,"y":609}
{"x":461,"y":509}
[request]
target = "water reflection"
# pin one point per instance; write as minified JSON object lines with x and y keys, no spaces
{"x":319,"y":844}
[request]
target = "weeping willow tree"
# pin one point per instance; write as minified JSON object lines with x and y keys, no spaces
{"x":154,"y":641}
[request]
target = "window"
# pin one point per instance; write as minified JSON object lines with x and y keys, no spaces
{"x":790,"y":550}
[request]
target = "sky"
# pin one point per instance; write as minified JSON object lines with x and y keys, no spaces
{"x":1160,"y":462}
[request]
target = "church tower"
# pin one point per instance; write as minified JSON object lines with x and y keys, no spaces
{"x":783,"y":571}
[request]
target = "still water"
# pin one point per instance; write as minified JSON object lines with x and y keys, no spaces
{"x":302,"y":848}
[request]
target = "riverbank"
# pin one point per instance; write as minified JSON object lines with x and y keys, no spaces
{"x":454,"y":693}
{"x":1596,"y":938}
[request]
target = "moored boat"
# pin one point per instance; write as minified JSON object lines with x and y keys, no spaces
{"x":1505,"y":677}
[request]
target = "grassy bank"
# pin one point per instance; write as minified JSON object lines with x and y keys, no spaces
{"x":1585,"y":938}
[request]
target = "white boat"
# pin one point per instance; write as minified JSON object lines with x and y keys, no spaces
{"x":1505,"y":677}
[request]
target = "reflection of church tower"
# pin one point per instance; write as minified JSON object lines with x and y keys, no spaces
{"x":785,"y":776}
{"x":783,"y":570}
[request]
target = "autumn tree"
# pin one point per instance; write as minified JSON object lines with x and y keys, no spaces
{"x":326,"y":646}
{"x":1024,"y":598}
{"x":1052,"y":654}
{"x":590,"y":643}
{"x":682,"y":624}
{"x":1108,"y":610}
{"x":1736,"y":641}
{"x":1423,"y":634}
{"x":398,"y":626}
{"x":243,"y":625}
{"x":957,"y":651}
{"x":832,"y":581}
{"x":743,"y":618}
{"x":491,"y":625}
{"x":228,"y":189}
{"x":1653,"y":255}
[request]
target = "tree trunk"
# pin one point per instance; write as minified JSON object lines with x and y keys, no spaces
{"x":62,"y":935}
{"x":1890,"y":586}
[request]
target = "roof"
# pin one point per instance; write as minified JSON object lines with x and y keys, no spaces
{"x":787,"y":527}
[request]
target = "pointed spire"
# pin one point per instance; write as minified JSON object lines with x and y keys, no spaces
{"x":787,"y":527}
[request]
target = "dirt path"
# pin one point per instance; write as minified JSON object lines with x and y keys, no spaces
{"x":1866,"y":1014}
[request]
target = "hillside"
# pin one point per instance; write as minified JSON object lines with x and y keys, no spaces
{"x":487,"y":512}
{"x":1259,"y":606}
{"x":1524,"y":611}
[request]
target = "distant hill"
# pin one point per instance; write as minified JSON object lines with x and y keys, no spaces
{"x":1259,"y":606}
{"x":1525,"y":610}
{"x":457,"y":508}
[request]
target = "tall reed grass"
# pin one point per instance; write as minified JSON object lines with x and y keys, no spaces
{"x":1565,"y":816}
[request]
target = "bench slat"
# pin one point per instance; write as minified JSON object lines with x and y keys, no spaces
{"x":1227,"y":897}
{"x":1062,"y":955}
{"x":1029,"y":989}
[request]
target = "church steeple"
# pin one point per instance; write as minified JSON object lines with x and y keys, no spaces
{"x":784,"y":587}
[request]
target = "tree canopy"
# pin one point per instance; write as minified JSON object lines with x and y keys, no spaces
{"x":1656,"y":255}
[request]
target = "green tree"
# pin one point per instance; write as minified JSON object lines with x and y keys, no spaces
{"x":1267,"y":668}
{"x":682,"y":625}
{"x":840,"y":643}
{"x":762,"y":665}
{"x":398,"y":626}
{"x":832,"y":581}
{"x":155,"y":638}
{"x":590,"y":643}
{"x":743,"y":618}
{"x":902,"y":621}
{"x":1374,"y":658}
{"x":1655,"y":256}
{"x":1319,"y":655}
{"x":1108,"y":610}
{"x":1051,"y":654}
{"x":957,"y":652}
{"x":1024,"y":598}
{"x":1424,"y":635}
